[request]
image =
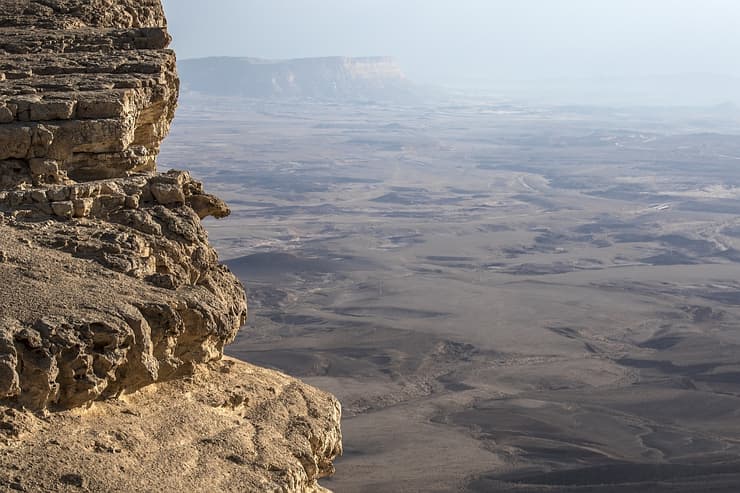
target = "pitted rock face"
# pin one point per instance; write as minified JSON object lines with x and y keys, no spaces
{"x":108,"y":280}
{"x":67,"y":14}
{"x":230,"y":427}
{"x":108,"y":286}
{"x":86,"y":314}
{"x":108,"y":283}
{"x":87,"y":89}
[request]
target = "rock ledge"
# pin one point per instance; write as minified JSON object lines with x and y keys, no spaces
{"x":114,"y":309}
{"x":230,"y":427}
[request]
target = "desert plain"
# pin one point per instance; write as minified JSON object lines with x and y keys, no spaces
{"x":503,"y":297}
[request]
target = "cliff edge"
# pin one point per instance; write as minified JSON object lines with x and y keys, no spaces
{"x":114,"y":309}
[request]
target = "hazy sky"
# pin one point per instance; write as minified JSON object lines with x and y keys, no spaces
{"x":443,"y":40}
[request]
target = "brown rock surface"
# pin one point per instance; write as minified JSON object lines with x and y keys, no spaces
{"x":88,"y":93}
{"x":93,"y":308}
{"x":231,"y":427}
{"x":114,"y":309}
{"x":88,"y":89}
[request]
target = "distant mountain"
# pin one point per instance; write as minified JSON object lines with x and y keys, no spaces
{"x":330,"y":78}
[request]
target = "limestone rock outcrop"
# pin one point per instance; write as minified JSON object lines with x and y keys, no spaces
{"x":95,"y":307}
{"x":88,"y":92}
{"x":230,"y":427}
{"x":112,"y":300}
{"x":87,"y":89}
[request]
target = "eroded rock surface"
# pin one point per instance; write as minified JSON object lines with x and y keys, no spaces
{"x":87,"y":89}
{"x":88,"y":93}
{"x":231,"y":427}
{"x":96,"y":307}
{"x":114,"y":309}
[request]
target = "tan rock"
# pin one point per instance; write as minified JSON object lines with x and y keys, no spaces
{"x":133,"y":201}
{"x":15,"y":141}
{"x":168,"y":193}
{"x":208,"y":205}
{"x":58,"y":194}
{"x":85,"y":321}
{"x":42,"y":138}
{"x":115,"y":309}
{"x":91,"y":119}
{"x":39,"y":166}
{"x":231,"y":428}
{"x":52,"y":110}
{"x":64,"y":209}
{"x":83,"y":207}
{"x":46,"y":171}
{"x":9,"y":381}
{"x":39,"y":196}
{"x":6,"y":115}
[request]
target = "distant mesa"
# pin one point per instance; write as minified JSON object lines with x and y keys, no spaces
{"x":329,"y":78}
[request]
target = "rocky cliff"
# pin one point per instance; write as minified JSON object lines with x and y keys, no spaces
{"x":330,"y":78}
{"x":111,"y":298}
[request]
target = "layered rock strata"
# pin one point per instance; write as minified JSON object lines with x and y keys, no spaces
{"x":114,"y":309}
{"x":127,"y":294}
{"x":88,"y":89}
